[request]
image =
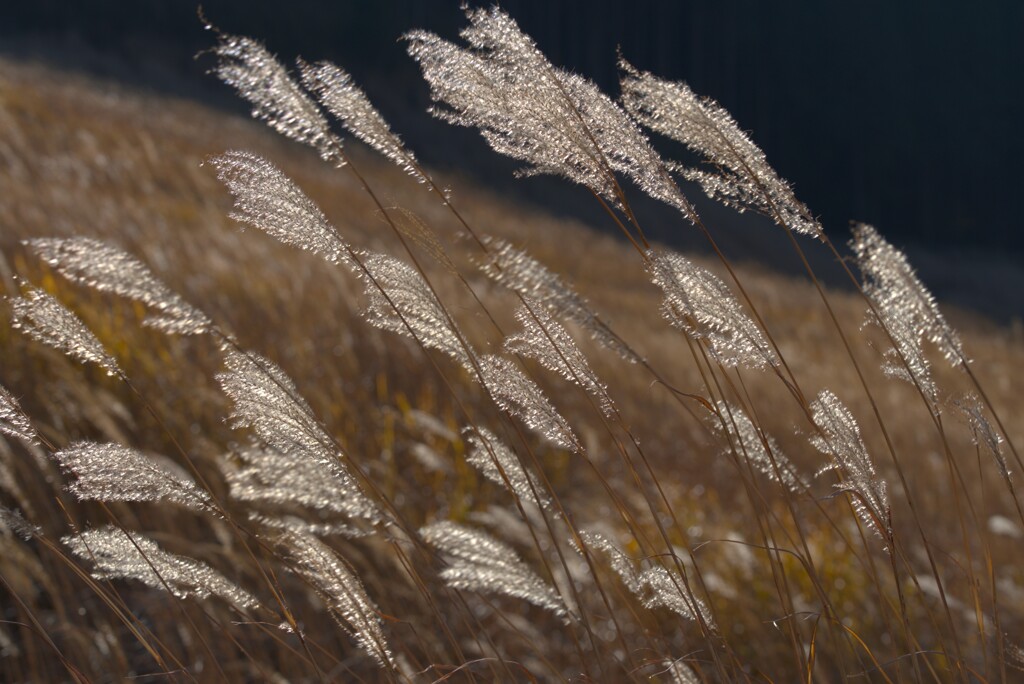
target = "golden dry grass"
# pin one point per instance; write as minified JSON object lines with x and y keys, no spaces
{"x":82,"y":157}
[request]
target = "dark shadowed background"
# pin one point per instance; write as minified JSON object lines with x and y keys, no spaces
{"x":906,"y":115}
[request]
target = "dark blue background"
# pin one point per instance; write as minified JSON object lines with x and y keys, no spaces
{"x":903,"y":114}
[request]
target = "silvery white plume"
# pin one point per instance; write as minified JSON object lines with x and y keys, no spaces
{"x":111,"y":472}
{"x":109,"y":269}
{"x":556,"y":122}
{"x":46,"y":320}
{"x":741,"y":176}
{"x":13,"y":522}
{"x":623,"y":565}
{"x":700,"y":304}
{"x":116,"y":555}
{"x":749,"y":442}
{"x":270,"y":477}
{"x":520,"y":396}
{"x":334,"y":88}
{"x":521,"y":273}
{"x":840,"y":439}
{"x":267,"y":199}
{"x":667,"y":590}
{"x":903,"y":307}
{"x":479,"y":562}
{"x":341,"y":590}
{"x":399,"y":300}
{"x":493,"y":458}
{"x":546,"y":341}
{"x":680,"y":673}
{"x":266,"y":400}
{"x":260,"y":78}
{"x":13,"y":420}
{"x":983,"y":431}
{"x":656,"y":586}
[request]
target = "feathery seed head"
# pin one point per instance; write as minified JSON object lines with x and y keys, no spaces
{"x":107,"y":268}
{"x":46,"y":320}
{"x":399,"y":300}
{"x":742,"y":177}
{"x":267,"y":199}
{"x":13,"y":420}
{"x":111,"y":472}
{"x":760,"y":449}
{"x":520,"y":396}
{"x":700,"y":304}
{"x":479,"y":562}
{"x":905,"y":308}
{"x":498,"y":463}
{"x":342,"y":591}
{"x":119,"y":554}
{"x":334,"y":88}
{"x":521,"y":273}
{"x":840,"y":439}
{"x":257,"y":75}
{"x":556,"y":122}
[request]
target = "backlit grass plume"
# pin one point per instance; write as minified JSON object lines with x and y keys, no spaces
{"x":107,"y":268}
{"x":43,"y":318}
{"x":905,"y":309}
{"x":13,"y":421}
{"x":111,"y":472}
{"x":527,"y":109}
{"x":336,"y":91}
{"x":275,"y":96}
{"x":115,"y":553}
{"x":479,"y":562}
{"x":342,"y":591}
{"x":700,"y":304}
{"x":267,"y":199}
{"x":738,"y":172}
{"x":499,"y":464}
{"x":266,"y":400}
{"x":840,"y":440}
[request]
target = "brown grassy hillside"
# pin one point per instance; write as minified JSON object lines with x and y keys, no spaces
{"x":798,"y":585}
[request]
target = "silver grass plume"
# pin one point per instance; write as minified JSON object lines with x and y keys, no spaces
{"x":750,"y":443}
{"x":342,"y":591}
{"x":983,"y":431}
{"x":269,"y":477}
{"x":520,"y":396}
{"x":334,"y":87}
{"x":111,"y":472}
{"x":46,"y":320}
{"x":556,"y":122}
{"x":498,"y":463}
{"x":117,"y":554}
{"x":13,"y":420}
{"x":524,"y":275}
{"x":622,"y":564}
{"x":667,"y":590}
{"x":267,"y":199}
{"x":903,"y":307}
{"x":741,"y":176}
{"x":479,"y":562}
{"x":546,"y":341}
{"x":840,"y":439}
{"x":107,"y":268}
{"x":700,"y":304}
{"x":399,"y":300}
{"x":656,"y":586}
{"x":266,"y":400}
{"x":680,"y":673}
{"x":257,"y":75}
{"x":13,"y":522}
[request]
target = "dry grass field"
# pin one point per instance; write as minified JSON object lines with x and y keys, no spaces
{"x":710,"y":568}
